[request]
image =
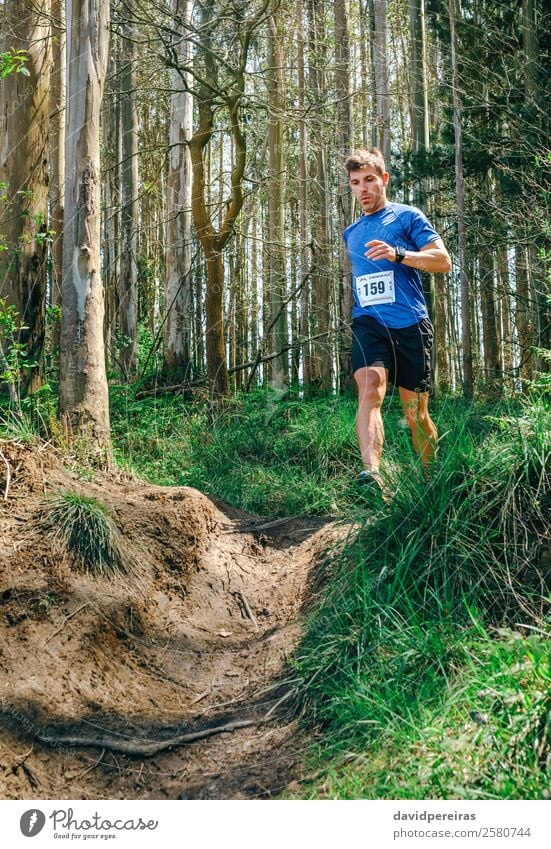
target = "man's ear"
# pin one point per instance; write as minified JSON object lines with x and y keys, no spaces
{"x":386,"y":178}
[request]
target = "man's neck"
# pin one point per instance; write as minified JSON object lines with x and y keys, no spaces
{"x":375,"y":211}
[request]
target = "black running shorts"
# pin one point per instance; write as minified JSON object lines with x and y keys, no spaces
{"x":404,"y":351}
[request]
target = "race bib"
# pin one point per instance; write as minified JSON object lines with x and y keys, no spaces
{"x":373,"y":289}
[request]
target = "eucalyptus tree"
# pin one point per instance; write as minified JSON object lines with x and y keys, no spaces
{"x":57,"y":144}
{"x":128,"y":282}
{"x":344,"y":136}
{"x":275,"y":244}
{"x":320,"y":198}
{"x":179,"y":241}
{"x":223,"y":40}
{"x":460,"y":197}
{"x":379,"y":47}
{"x":24,"y":108}
{"x":83,"y":394}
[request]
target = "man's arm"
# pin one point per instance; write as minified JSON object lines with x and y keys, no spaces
{"x":432,"y":257}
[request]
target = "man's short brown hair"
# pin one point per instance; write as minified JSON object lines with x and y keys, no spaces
{"x":366,"y":158}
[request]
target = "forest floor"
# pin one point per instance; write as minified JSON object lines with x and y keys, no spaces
{"x":199,"y":638}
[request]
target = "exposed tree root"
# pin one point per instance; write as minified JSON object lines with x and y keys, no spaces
{"x":145,"y":748}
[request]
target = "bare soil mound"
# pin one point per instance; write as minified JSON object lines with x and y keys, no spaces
{"x":104,"y":682}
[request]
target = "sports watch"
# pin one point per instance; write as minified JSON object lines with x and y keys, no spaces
{"x":400,"y":253}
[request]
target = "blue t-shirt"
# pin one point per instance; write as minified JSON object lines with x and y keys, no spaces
{"x":395,"y":224}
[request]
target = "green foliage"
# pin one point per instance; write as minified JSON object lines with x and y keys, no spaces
{"x":410,"y":601}
{"x":17,"y":427}
{"x":425,"y":664}
{"x":487,"y":735}
{"x":14,"y":61}
{"x":14,"y":358}
{"x":83,"y":528}
{"x":277,"y":457}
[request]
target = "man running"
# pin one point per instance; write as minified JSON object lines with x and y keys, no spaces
{"x":392,"y":335}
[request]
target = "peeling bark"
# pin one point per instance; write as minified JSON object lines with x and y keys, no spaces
{"x":83,"y":396}
{"x":24,"y":108}
{"x":179,"y":282}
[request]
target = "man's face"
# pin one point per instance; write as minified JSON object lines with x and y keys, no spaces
{"x":370,"y":188}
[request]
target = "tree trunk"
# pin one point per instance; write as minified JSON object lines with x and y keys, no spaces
{"x":255,"y":274}
{"x":24,"y":108}
{"x":128,"y":287}
{"x":179,"y":281}
{"x":83,"y":395}
{"x":305,"y":299}
{"x":213,"y":241}
{"x":57,"y":152}
{"x":492,"y":363}
{"x":419,"y":98}
{"x":530,"y":49}
{"x":466,"y":332}
{"x":112,"y":157}
{"x":442,"y":377}
{"x":321,"y":235}
{"x":524,"y":313}
{"x":345,"y":142}
{"x":382,"y":78}
{"x":504,"y":295}
{"x":366,"y":72}
{"x":279,"y":366}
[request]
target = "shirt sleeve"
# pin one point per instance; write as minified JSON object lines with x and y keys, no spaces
{"x":419,"y":229}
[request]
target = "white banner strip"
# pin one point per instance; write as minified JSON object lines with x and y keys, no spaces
{"x":277,"y":824}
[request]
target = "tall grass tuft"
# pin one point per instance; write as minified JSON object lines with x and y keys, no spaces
{"x":83,"y":528}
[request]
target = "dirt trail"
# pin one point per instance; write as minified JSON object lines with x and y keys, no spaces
{"x":199,"y":640}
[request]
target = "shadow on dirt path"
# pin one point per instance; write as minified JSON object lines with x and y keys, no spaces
{"x":93,"y":670}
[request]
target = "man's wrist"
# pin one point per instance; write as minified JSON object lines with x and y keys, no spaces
{"x":399,"y":254}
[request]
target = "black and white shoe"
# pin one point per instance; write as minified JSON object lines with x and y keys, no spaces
{"x":371,"y":484}
{"x":369,"y":477}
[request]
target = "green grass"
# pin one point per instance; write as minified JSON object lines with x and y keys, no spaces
{"x":269,"y":457}
{"x":82,"y":528}
{"x":485,"y":735}
{"x":276,"y":458}
{"x":424,"y":668}
{"x":395,"y":639}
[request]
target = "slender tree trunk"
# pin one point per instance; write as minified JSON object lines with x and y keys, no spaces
{"x":321,"y":236}
{"x":419,"y":97}
{"x":128,"y":290}
{"x":382,"y":78}
{"x":504,"y":295}
{"x":305,"y":295}
{"x":112,"y":206}
{"x":492,"y":364}
{"x":366,"y":71}
{"x":530,"y":49}
{"x":57,"y":152}
{"x":199,"y":336}
{"x":255,"y":273}
{"x":295,"y":281}
{"x":24,"y":108}
{"x":524,"y":313}
{"x":345,"y":142}
{"x":214,"y":241}
{"x":460,"y":198}
{"x":279,"y":367}
{"x":440,"y":317}
{"x":179,"y":281}
{"x":83,"y":395}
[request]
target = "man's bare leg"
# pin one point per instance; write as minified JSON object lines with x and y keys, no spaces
{"x":371,"y":382}
{"x":423,"y":429}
